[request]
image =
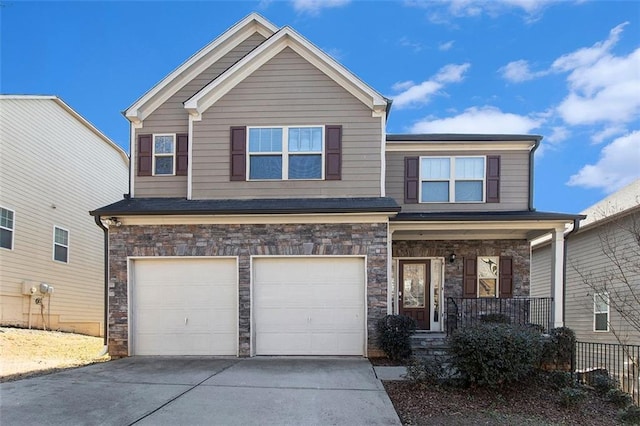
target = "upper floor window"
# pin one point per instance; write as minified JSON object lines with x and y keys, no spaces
{"x":7,"y":225}
{"x":285,"y":153}
{"x":452,"y":179}
{"x":601,"y":312}
{"x":60,"y":244}
{"x":164,"y":149}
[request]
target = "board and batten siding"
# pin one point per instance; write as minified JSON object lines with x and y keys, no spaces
{"x":514,"y":182}
{"x":54,"y":170}
{"x":287,"y":91}
{"x":585,"y":253}
{"x":171,"y":117}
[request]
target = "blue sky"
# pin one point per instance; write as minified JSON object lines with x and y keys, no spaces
{"x":567,"y":70}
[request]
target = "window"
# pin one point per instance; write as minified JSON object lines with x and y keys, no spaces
{"x":163,"y":154}
{"x":60,"y":245}
{"x":488,"y":274}
{"x":7,"y":225}
{"x":601,"y":312}
{"x":285,"y":153}
{"x":452,"y":179}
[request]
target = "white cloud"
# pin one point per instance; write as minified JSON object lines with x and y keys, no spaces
{"x":616,"y":167}
{"x":485,"y":119}
{"x":313,"y":7}
{"x":519,"y":71}
{"x":413,"y":45}
{"x":421,"y":93}
{"x":446,"y":46}
{"x":473,"y":8}
{"x":558,"y":134}
{"x":607,"y":133}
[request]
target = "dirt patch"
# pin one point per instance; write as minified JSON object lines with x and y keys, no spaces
{"x":25,"y":353}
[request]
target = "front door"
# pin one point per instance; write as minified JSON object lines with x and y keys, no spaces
{"x":413,"y":291}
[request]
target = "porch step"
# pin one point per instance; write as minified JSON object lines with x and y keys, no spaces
{"x":429,"y":344}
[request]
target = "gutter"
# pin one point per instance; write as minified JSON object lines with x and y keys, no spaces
{"x":531,"y":154}
{"x":576,"y":227}
{"x":106,"y":282}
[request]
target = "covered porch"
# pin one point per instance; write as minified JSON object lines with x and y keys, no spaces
{"x":453,"y":269}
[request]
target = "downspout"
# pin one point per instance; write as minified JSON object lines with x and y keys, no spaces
{"x":106,"y":283}
{"x":531,"y":153}
{"x":576,"y":227}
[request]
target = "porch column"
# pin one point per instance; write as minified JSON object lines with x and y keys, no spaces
{"x":390,"y":309}
{"x":557,"y":276}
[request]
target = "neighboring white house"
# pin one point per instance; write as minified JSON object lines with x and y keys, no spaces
{"x":55,"y":166}
{"x":602,"y":270}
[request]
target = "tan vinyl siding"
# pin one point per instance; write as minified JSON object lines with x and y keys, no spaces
{"x":171,"y":117}
{"x":287,"y":91}
{"x":541,"y":272}
{"x":514,"y":182}
{"x":585,"y":254}
{"x":54,"y":170}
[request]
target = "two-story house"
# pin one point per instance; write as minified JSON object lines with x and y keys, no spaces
{"x":269,"y":210}
{"x":54,"y":167}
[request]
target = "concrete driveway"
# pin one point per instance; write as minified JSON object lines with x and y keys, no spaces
{"x":202,"y":391}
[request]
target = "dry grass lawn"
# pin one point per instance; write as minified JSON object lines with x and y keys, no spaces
{"x":25,"y":353}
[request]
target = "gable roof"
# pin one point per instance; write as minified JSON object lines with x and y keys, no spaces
{"x":621,"y":201}
{"x":75,"y":115}
{"x":285,"y":37}
{"x":197,"y":63}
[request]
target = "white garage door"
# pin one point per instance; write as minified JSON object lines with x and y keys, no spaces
{"x":309,"y":306}
{"x":184,"y":307}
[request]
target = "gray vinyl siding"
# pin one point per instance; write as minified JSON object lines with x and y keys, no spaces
{"x":514,"y":182}
{"x":541,"y":272}
{"x":54,"y":170}
{"x":171,"y":117}
{"x":585,"y":254}
{"x":286,"y":91}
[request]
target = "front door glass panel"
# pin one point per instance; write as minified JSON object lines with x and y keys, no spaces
{"x":413,"y":285}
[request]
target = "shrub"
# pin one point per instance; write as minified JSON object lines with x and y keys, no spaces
{"x":496,"y":318}
{"x":570,"y":397}
{"x":492,"y":354}
{"x":559,"y":347}
{"x":560,"y":379}
{"x":630,"y":415}
{"x":602,"y":382}
{"x":619,"y":398}
{"x":436,"y":370}
{"x":394,"y":336}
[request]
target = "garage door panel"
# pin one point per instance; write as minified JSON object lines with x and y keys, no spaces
{"x":309,"y":306}
{"x":184,"y":306}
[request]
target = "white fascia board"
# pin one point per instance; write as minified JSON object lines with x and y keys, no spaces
{"x":197,"y":63}
{"x":524,"y":225}
{"x":435,"y":146}
{"x":284,"y":38}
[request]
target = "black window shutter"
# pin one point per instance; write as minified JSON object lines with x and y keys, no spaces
{"x":145,"y":153}
{"x":469,"y":277}
{"x":333,"y":152}
{"x":182,"y":154}
{"x":493,"y":178}
{"x":411,"y":174}
{"x":238,"y":153}
{"x":506,"y":277}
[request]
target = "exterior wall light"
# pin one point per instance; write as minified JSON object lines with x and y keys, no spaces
{"x":112,"y":221}
{"x":452,"y":257}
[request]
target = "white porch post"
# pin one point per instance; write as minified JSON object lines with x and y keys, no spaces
{"x":557,"y":276}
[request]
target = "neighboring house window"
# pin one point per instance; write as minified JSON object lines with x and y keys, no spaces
{"x":7,"y":225}
{"x":164,"y":154}
{"x":60,"y":245}
{"x":601,"y":312}
{"x":452,"y":179}
{"x":488,"y":276}
{"x":285,"y":153}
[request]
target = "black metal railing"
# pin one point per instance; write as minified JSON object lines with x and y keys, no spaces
{"x":620,"y":362}
{"x":464,"y":312}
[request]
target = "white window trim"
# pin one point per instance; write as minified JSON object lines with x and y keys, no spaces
{"x":452,"y":179}
{"x":173,"y":155}
{"x":13,"y":230}
{"x":53,"y":254}
{"x":497,"y":295}
{"x":602,"y":295}
{"x":285,"y":153}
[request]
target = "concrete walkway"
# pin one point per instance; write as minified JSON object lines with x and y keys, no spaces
{"x":202,"y":391}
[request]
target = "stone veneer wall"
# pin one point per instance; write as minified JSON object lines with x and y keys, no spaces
{"x":517,"y":249}
{"x":244,"y":241}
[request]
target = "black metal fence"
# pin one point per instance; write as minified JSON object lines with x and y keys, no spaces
{"x":620,"y":362}
{"x":463,"y":312}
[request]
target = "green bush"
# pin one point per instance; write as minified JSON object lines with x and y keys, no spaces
{"x":560,"y":379}
{"x":492,"y":354}
{"x":602,"y":382}
{"x":436,"y":370}
{"x":394,"y":336}
{"x":619,"y":398}
{"x":559,"y":347}
{"x":630,"y":415}
{"x":496,"y":318}
{"x":570,"y":397}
